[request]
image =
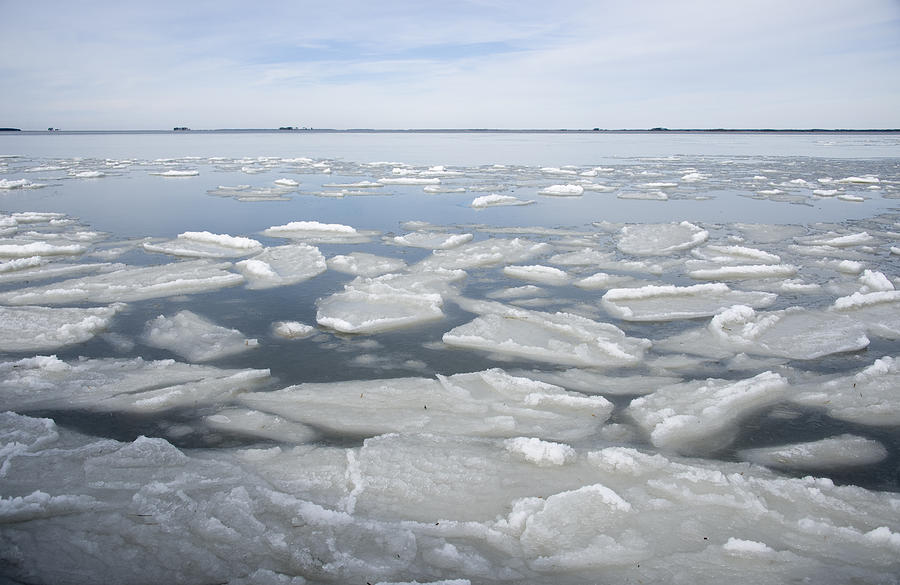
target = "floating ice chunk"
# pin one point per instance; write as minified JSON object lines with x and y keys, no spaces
{"x":832,"y":453}
{"x":242,"y":421}
{"x":87,"y":174}
{"x":838,"y":241}
{"x":286,"y":182}
{"x":488,"y":252}
{"x":128,"y":385}
{"x":593,"y":382}
{"x":669,"y":303}
{"x":494,"y":200}
{"x":851,"y":198}
{"x":206,"y":245}
{"x":293,"y":330}
{"x":744,"y":272}
{"x":568,"y":190}
{"x":392,"y":301}
{"x":702,"y":416}
{"x":442,"y":189}
{"x":769,"y":233}
{"x":604,"y":281}
{"x":410,"y":181}
{"x":868,"y":397}
{"x":543,"y":453}
{"x":194,"y":337}
{"x":364,"y":264}
{"x":660,"y":239}
{"x":518,"y":292}
{"x":9,"y":184}
{"x":561,"y":338}
{"x":644,"y":195}
{"x":43,"y":328}
{"x":14,"y":250}
{"x":130,"y":284}
{"x":584,"y":257}
{"x":558,"y":171}
{"x":314,"y":231}
{"x":357,"y":185}
{"x":874,"y":281}
{"x":878,"y":311}
{"x":865,"y":179}
{"x":538,"y":273}
{"x":432,"y":241}
{"x":734,"y":255}
{"x":694,"y":177}
{"x":825,"y":192}
{"x":177,"y":173}
{"x":488,"y":404}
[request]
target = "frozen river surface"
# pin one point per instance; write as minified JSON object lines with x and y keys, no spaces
{"x":449,"y":358}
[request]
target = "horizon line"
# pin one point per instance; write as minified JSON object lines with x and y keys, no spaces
{"x":658,"y":129}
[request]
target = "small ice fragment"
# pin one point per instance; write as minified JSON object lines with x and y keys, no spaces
{"x":43,"y":328}
{"x":432,"y":241}
{"x":538,"y":273}
{"x":410,"y":181}
{"x":838,"y":452}
{"x":669,"y":303}
{"x":194,"y":337}
{"x":293,"y":329}
{"x":744,"y":272}
{"x":177,"y":173}
{"x":206,"y":245}
{"x":660,"y":239}
{"x":365,"y":264}
{"x":494,"y":200}
{"x":865,"y":179}
{"x":644,"y":195}
{"x":286,"y":182}
{"x":567,"y":190}
{"x":542,"y":453}
{"x":39,"y":249}
{"x":243,"y":421}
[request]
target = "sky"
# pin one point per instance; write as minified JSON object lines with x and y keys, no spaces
{"x":106,"y":65}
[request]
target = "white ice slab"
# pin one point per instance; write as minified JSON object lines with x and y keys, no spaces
{"x":47,"y":328}
{"x":660,"y":239}
{"x":561,"y":338}
{"x":241,"y":421}
{"x":867,"y":397}
{"x":670,"y":303}
{"x":365,"y":264}
{"x":878,"y":311}
{"x":744,"y":272}
{"x":282,"y":265}
{"x":432,"y":240}
{"x":490,"y":252}
{"x":793,"y":333}
{"x":538,"y":273}
{"x":194,"y":337}
{"x":206,"y":245}
{"x":13,"y":249}
{"x":567,"y":190}
{"x":841,"y":452}
{"x":495,"y":200}
{"x":130,"y":284}
{"x":293,"y":330}
{"x":485,"y":404}
{"x":127,"y":385}
{"x":317,"y":232}
{"x":704,"y":415}
{"x":596,"y":382}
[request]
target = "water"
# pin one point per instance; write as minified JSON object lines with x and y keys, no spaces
{"x":804,"y":189}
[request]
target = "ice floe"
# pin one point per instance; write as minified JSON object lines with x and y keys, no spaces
{"x":242,"y":421}
{"x":668,"y":303}
{"x":194,"y":337}
{"x":538,"y":273}
{"x":317,"y":232}
{"x":282,"y":265}
{"x":293,"y":330}
{"x":867,"y":397}
{"x":432,"y":240}
{"x":206,"y":245}
{"x":567,"y":190}
{"x":365,"y":264}
{"x":841,"y":452}
{"x":488,"y":252}
{"x":495,"y":200}
{"x":561,"y":338}
{"x":660,"y":239}
{"x":47,"y":328}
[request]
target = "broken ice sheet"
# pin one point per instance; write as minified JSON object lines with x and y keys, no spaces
{"x":253,"y":423}
{"x":670,"y":303}
{"x":391,"y":301}
{"x":660,"y":239}
{"x":793,"y":333}
{"x":128,"y":385}
{"x":490,"y":252}
{"x":365,"y":264}
{"x":488,"y":404}
{"x":868,"y":397}
{"x":561,"y":338}
{"x":841,"y":452}
{"x":206,"y":245}
{"x":194,"y":337}
{"x":46,"y":328}
{"x":878,"y":312}
{"x":702,"y":416}
{"x":281,"y":266}
{"x":432,"y":240}
{"x":595,"y":382}
{"x":317,"y":232}
{"x":130,"y":283}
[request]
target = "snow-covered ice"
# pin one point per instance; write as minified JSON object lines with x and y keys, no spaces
{"x":194,"y":337}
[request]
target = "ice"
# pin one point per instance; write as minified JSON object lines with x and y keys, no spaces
{"x":178,"y":173}
{"x":486,"y":404}
{"x":561,"y":338}
{"x":130,"y":284}
{"x":43,"y":328}
{"x":364,"y":264}
{"x":865,"y":180}
{"x":314,"y":231}
{"x":13,"y":250}
{"x":604,"y":281}
{"x":538,"y":273}
{"x":838,"y":452}
{"x":488,"y":252}
{"x":282,"y":265}
{"x":837,"y":240}
{"x":567,"y":190}
{"x":744,"y":272}
{"x":409,"y":181}
{"x":194,"y":337}
{"x":206,"y":245}
{"x":878,"y":311}
{"x":868,"y":397}
{"x":494,"y":200}
{"x":594,"y":382}
{"x":793,"y":333}
{"x":660,"y":239}
{"x":293,"y":330}
{"x":734,"y":255}
{"x":122,"y":385}
{"x":392,"y":301}
{"x":9,"y":184}
{"x":655,"y":195}
{"x":242,"y":421}
{"x":703,"y":416}
{"x":432,"y":241}
{"x":542,"y":453}
{"x":283,"y":182}
{"x":669,"y":303}
{"x":87,"y":174}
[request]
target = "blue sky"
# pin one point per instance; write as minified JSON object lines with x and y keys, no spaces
{"x":465,"y":64}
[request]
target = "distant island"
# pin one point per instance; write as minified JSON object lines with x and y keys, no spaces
{"x":10,"y":129}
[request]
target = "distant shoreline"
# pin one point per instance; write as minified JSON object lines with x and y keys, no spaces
{"x":184,"y":130}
